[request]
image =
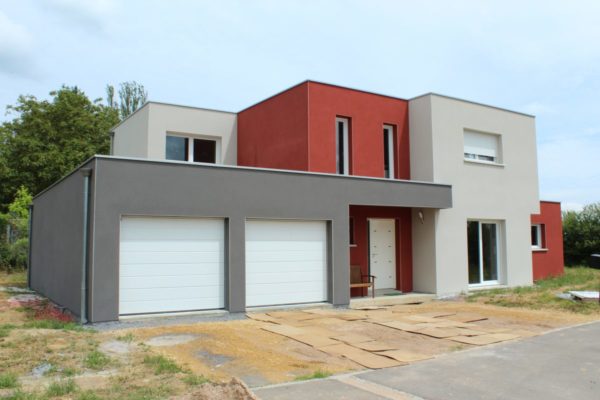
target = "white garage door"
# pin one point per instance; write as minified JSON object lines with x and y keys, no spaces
{"x":286,"y":262}
{"x":171,"y":264}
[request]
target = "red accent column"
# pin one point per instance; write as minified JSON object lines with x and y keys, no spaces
{"x":549,"y":261}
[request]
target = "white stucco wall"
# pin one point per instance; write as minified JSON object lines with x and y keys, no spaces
{"x":507,"y":193}
{"x":143,"y":134}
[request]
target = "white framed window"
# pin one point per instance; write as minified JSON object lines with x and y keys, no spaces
{"x":342,"y":158}
{"x":537,"y":236}
{"x":481,"y":146}
{"x":388,"y":151}
{"x":483,"y":244}
{"x":198,"y":149}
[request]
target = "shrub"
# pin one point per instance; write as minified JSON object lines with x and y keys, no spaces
{"x":162,"y":365}
{"x":96,"y":360}
{"x":8,"y":380}
{"x":57,"y":389}
{"x":581,"y":234}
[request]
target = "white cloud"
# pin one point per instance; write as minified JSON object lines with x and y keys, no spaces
{"x":568,"y":171}
{"x":94,"y":14}
{"x":16,"y":48}
{"x":537,"y":108}
{"x":571,"y":206}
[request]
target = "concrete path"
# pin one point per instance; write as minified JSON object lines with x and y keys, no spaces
{"x":563,"y":364}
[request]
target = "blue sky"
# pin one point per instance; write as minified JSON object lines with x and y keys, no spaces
{"x":539,"y":57}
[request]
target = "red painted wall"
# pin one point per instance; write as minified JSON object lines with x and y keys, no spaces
{"x":367,"y":113}
{"x":359,"y":254}
{"x":295,"y":129}
{"x":274,"y":132}
{"x":549,"y":262}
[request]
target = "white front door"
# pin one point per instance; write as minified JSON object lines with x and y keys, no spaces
{"x":171,"y":264}
{"x":286,"y":262}
{"x":382,"y":252}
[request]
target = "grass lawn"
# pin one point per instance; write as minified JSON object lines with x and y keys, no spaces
{"x":75,"y":368}
{"x":542,"y":295}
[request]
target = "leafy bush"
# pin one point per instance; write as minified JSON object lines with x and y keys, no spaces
{"x":581,"y":234}
{"x":14,"y":242}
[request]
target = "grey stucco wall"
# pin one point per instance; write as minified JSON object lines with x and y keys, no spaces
{"x":57,"y":242}
{"x":155,"y":188}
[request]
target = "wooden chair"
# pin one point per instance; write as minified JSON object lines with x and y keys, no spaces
{"x":357,"y":280}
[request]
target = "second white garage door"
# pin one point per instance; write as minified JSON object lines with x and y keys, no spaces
{"x":286,"y":262}
{"x":171,"y":264}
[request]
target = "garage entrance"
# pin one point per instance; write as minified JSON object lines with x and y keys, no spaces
{"x":171,"y":264}
{"x":286,"y":262}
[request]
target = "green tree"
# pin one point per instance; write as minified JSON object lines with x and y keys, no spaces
{"x":14,"y":242}
{"x":132,"y":96}
{"x":581,"y":234}
{"x":49,"y":138}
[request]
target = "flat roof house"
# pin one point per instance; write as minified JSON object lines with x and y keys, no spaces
{"x":201,"y":209}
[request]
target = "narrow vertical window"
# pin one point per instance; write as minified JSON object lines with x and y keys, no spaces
{"x":388,"y":151}
{"x":342,"y":161}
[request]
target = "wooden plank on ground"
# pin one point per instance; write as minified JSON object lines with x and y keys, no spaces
{"x":404,"y":355}
{"x":284,"y":330}
{"x":293,"y":315}
{"x":364,"y":358}
{"x":482,"y":340}
{"x":420,"y":318}
{"x":352,"y":338}
{"x":437,"y":314}
{"x":262,"y":317}
{"x":369,"y":308}
{"x":351,"y":316}
{"x":440,"y":333}
{"x":466,"y":317}
{"x":403,"y":326}
{"x":314,"y":340}
{"x":374,"y":345}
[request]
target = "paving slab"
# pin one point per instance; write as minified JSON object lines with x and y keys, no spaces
{"x":328,"y":389}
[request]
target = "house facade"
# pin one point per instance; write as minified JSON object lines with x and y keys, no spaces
{"x":200,"y":209}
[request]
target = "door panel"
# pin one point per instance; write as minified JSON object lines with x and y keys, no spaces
{"x":382,"y":252}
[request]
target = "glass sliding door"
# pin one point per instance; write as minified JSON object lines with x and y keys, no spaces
{"x":473,"y":246}
{"x":482,"y":242}
{"x":489,"y":244}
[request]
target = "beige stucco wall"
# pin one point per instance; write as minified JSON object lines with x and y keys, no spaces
{"x":144,"y":133}
{"x":507,"y":193}
{"x":131,"y":136}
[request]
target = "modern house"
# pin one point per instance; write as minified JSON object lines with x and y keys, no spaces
{"x":200,"y":209}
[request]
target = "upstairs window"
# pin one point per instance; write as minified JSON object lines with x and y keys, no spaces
{"x":388,"y":151}
{"x":482,"y":147}
{"x":181,"y":148}
{"x":341,"y":144}
{"x":537,"y":236}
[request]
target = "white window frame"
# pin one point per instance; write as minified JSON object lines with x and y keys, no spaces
{"x":389,"y":130}
{"x":482,"y":158}
{"x":538,"y":235}
{"x":497,"y":281}
{"x":190,"y":150}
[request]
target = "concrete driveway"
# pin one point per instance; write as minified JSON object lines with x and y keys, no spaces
{"x":563,"y":364}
